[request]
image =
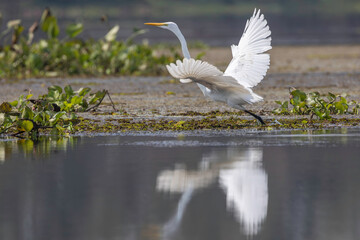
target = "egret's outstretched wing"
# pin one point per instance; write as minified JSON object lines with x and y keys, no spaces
{"x":212,"y":78}
{"x":191,"y":68}
{"x":249,"y":64}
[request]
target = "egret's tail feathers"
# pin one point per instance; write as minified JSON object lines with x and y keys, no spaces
{"x":255,"y":98}
{"x":242,"y":96}
{"x":191,"y":68}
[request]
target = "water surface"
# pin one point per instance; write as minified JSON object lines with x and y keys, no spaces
{"x":215,"y":185}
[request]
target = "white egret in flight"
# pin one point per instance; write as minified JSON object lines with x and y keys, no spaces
{"x":247,"y":68}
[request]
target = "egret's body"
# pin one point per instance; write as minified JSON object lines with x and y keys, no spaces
{"x":247,"y":68}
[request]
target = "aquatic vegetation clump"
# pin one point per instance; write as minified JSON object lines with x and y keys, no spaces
{"x":129,"y":124}
{"x":314,"y":104}
{"x":54,"y":110}
{"x":54,"y":57}
{"x":214,"y":113}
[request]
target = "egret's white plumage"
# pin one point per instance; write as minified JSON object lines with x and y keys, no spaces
{"x":246,"y":69}
{"x":250,"y":64}
{"x":221,"y":88}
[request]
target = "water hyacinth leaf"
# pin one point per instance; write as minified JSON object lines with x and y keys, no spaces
{"x":5,"y":107}
{"x":28,"y":96}
{"x":315,"y":104}
{"x":83,"y":91}
{"x":45,"y":14}
{"x":39,"y":117}
{"x":84,"y":104}
{"x":97,"y":96}
{"x":297,"y":93}
{"x":331,"y":97}
{"x":69,"y":91}
{"x":34,"y":61}
{"x":27,"y":113}
{"x":74,"y":29}
{"x":14,"y":103}
{"x":49,"y":25}
{"x":56,"y":117}
{"x":111,"y":35}
{"x":340,"y":107}
{"x":343,"y":100}
{"x":25,"y":125}
{"x":55,"y":88}
{"x":31,"y":115}
{"x":76,"y":100}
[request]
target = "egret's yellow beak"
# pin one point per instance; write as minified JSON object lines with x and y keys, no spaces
{"x":155,"y":24}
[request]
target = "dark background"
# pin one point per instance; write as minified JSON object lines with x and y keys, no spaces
{"x":215,"y":22}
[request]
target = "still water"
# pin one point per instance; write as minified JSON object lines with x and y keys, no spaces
{"x":234,"y":185}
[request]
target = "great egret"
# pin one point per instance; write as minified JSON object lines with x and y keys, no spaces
{"x":247,"y":68}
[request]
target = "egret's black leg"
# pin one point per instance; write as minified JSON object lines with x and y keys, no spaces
{"x":255,"y":116}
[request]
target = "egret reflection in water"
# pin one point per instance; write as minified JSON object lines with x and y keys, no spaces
{"x":239,"y":173}
{"x":246,"y":187}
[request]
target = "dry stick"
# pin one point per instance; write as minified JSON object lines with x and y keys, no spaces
{"x":16,"y":134}
{"x":95,"y":106}
{"x":6,"y":129}
{"x":112,"y":103}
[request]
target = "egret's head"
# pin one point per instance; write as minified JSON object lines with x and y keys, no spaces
{"x":166,"y":25}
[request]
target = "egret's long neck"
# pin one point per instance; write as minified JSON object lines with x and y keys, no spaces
{"x":182,"y":40}
{"x":186,"y":54}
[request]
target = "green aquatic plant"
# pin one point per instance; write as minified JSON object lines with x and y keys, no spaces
{"x":20,"y":57}
{"x":68,"y":100}
{"x":54,"y":110}
{"x":314,"y":104}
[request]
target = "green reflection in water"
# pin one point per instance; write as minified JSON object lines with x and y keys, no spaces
{"x":43,"y":147}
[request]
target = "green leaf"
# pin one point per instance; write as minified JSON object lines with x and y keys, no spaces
{"x":56,"y":117}
{"x":50,"y":26}
{"x":76,"y":100}
{"x":55,"y":88}
{"x":83,"y":91}
{"x":27,"y":113}
{"x":97,"y":96}
{"x":331,"y":96}
{"x":343,"y":100}
{"x":5,"y":107}
{"x":297,"y":93}
{"x":74,"y":29}
{"x":340,"y":107}
{"x":28,"y":96}
{"x":69,"y":91}
{"x":25,"y":125}
{"x":14,"y":103}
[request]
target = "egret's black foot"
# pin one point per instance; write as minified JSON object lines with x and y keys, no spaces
{"x":255,"y":116}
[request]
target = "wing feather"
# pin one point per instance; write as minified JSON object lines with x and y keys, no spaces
{"x":190,"y":68}
{"x":250,"y":64}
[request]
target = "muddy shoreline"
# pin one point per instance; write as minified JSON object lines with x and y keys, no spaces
{"x":325,"y":69}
